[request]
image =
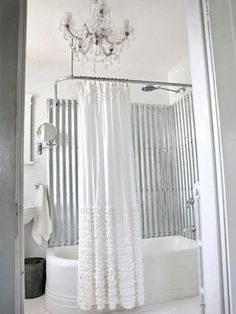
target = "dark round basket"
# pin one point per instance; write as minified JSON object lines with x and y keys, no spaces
{"x":35,"y":277}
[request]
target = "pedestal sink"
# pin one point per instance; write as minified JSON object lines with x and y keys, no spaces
{"x":29,"y":213}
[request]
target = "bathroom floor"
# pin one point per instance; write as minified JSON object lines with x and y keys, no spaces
{"x":185,"y":306}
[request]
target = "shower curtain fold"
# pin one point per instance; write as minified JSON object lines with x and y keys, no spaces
{"x":110,"y":270}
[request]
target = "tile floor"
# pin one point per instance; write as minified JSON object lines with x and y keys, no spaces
{"x":185,"y":306}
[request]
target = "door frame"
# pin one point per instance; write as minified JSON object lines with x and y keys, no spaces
{"x":219,"y":163}
{"x":212,"y":225}
{"x":19,"y":190}
{"x":214,"y":134}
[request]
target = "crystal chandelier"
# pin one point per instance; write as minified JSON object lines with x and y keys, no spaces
{"x":96,"y":41}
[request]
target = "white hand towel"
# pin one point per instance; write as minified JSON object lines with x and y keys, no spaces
{"x":42,"y":227}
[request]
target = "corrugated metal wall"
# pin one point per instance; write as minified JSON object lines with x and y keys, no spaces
{"x":186,"y":159}
{"x":154,"y":140}
{"x":63,"y":173}
{"x":166,"y":168}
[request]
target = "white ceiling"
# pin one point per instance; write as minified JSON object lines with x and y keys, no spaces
{"x":160,"y":30}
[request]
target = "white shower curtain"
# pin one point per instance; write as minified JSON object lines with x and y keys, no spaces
{"x":110,"y":269}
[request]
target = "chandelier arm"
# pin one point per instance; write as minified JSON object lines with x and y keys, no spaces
{"x":108,"y":40}
{"x":121,"y":41}
{"x":107,"y":54}
{"x":71,"y":33}
{"x":88,"y":31}
{"x":117,"y":42}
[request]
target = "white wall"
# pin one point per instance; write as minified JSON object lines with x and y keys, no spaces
{"x":180,"y":72}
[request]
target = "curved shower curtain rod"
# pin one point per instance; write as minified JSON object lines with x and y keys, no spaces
{"x":111,"y":79}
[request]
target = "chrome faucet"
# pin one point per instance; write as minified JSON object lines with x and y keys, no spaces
{"x":190,"y":201}
{"x":190,"y":229}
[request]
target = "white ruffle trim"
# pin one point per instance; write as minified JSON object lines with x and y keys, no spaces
{"x":110,"y":268}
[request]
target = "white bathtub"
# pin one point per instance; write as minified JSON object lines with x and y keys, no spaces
{"x":170,"y":273}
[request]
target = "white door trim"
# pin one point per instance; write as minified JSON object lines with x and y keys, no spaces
{"x":219,"y":164}
{"x":212,"y":220}
{"x":20,"y":291}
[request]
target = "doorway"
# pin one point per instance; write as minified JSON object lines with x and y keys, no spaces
{"x":213,"y":208}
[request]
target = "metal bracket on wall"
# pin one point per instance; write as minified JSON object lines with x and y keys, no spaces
{"x":41,"y":147}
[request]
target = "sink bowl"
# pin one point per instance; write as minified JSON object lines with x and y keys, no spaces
{"x":29,"y":213}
